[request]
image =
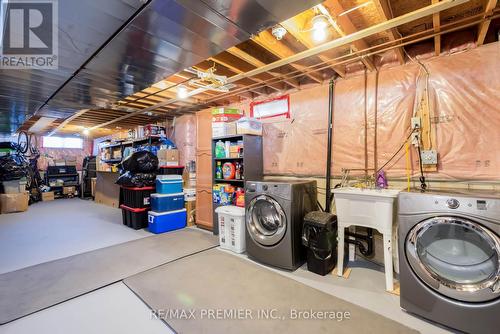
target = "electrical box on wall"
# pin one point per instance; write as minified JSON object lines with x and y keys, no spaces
{"x":415,"y":123}
{"x":429,"y":157}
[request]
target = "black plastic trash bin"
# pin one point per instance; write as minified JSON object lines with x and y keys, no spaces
{"x":319,"y":235}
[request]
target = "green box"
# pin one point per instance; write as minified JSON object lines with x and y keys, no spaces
{"x":227,"y":111}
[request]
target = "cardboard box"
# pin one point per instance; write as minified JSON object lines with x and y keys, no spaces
{"x":221,"y":129}
{"x":227,"y":111}
{"x":168,"y":157}
{"x":69,"y":190}
{"x":59,"y":162}
{"x":48,"y":196}
{"x":10,"y":203}
{"x":225,"y":118}
{"x":191,"y":213}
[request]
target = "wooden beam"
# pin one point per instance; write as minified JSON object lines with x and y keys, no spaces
{"x":436,"y":23}
{"x":344,"y":26}
{"x":67,"y":120}
{"x":280,"y":50}
{"x":346,"y":40}
{"x":233,"y":67}
{"x":385,"y":11}
{"x":483,"y":27}
{"x":235,"y":51}
{"x":293,"y":27}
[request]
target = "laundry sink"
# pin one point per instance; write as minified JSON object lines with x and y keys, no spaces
{"x":373,"y":208}
{"x":366,"y":207}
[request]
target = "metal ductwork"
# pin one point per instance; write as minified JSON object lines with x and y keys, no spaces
{"x":111,"y":49}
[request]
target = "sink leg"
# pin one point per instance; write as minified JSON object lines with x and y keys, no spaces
{"x":388,"y":262}
{"x":340,"y":251}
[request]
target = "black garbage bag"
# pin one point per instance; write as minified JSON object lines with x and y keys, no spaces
{"x":8,"y":144}
{"x":129,"y":179}
{"x":140,"y":162}
{"x":12,"y":167}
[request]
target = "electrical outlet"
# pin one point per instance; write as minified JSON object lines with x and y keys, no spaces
{"x":415,"y":123}
{"x":429,"y":157}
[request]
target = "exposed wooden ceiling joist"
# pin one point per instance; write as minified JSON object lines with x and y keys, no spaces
{"x":267,"y":41}
{"x":294,"y":26}
{"x":483,"y":27}
{"x":344,"y":26}
{"x":235,"y":51}
{"x":436,"y":23}
{"x":385,"y":11}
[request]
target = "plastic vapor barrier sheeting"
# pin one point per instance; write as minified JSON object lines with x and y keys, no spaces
{"x":465,"y":115}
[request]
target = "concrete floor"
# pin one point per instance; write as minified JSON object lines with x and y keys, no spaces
{"x":58,"y":229}
{"x":51,"y":230}
{"x":113,"y":310}
{"x":365,"y":287}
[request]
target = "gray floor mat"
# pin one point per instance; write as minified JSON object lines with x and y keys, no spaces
{"x":34,"y":288}
{"x":214,"y":281}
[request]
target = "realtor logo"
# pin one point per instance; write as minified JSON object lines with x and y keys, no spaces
{"x":29,"y":34}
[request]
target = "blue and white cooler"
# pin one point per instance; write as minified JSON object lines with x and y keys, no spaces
{"x":168,"y":184}
{"x":167,"y":205}
{"x":160,"y":222}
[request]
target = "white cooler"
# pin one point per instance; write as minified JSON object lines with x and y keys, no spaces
{"x":231,"y":228}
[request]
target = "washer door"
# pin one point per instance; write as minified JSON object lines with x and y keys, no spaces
{"x":456,"y":257}
{"x":266,"y":221}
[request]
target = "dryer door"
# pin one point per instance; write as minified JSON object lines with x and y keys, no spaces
{"x":456,"y":257}
{"x":266,"y":220}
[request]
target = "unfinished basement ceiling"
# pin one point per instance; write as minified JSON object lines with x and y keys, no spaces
{"x":158,"y":39}
{"x":450,"y":30}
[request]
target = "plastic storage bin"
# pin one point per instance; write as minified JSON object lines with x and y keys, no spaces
{"x":231,"y":228}
{"x":171,"y":170}
{"x":167,"y":202}
{"x":137,"y":197}
{"x":135,"y":218}
{"x":319,"y":235}
{"x":160,"y":222}
{"x":168,"y":184}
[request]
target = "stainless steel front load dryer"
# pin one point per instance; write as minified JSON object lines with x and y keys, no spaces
{"x":274,"y":216}
{"x":449,"y":258}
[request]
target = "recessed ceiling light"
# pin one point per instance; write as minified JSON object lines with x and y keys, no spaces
{"x":86,"y":131}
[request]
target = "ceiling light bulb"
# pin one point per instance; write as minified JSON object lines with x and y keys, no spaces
{"x":319,"y":35}
{"x":86,"y":131}
{"x":182,"y":92}
{"x":319,"y":22}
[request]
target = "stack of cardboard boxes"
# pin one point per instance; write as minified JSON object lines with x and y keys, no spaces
{"x":14,"y":197}
{"x":168,"y":157}
{"x":230,"y":122}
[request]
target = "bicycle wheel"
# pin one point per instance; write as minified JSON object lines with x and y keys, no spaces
{"x":23,"y":142}
{"x":33,"y":141}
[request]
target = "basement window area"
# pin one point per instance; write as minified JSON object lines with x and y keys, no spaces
{"x":62,"y":142}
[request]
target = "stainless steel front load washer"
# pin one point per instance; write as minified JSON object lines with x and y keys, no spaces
{"x":274,"y":215}
{"x":449,"y":258}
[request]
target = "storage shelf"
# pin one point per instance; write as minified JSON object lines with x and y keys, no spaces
{"x":112,"y":161}
{"x":227,"y":181}
{"x":225,"y":159}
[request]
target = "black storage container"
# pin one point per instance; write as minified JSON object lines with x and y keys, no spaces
{"x":135,"y":218}
{"x":171,"y":170}
{"x":137,"y":197}
{"x":319,"y":235}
